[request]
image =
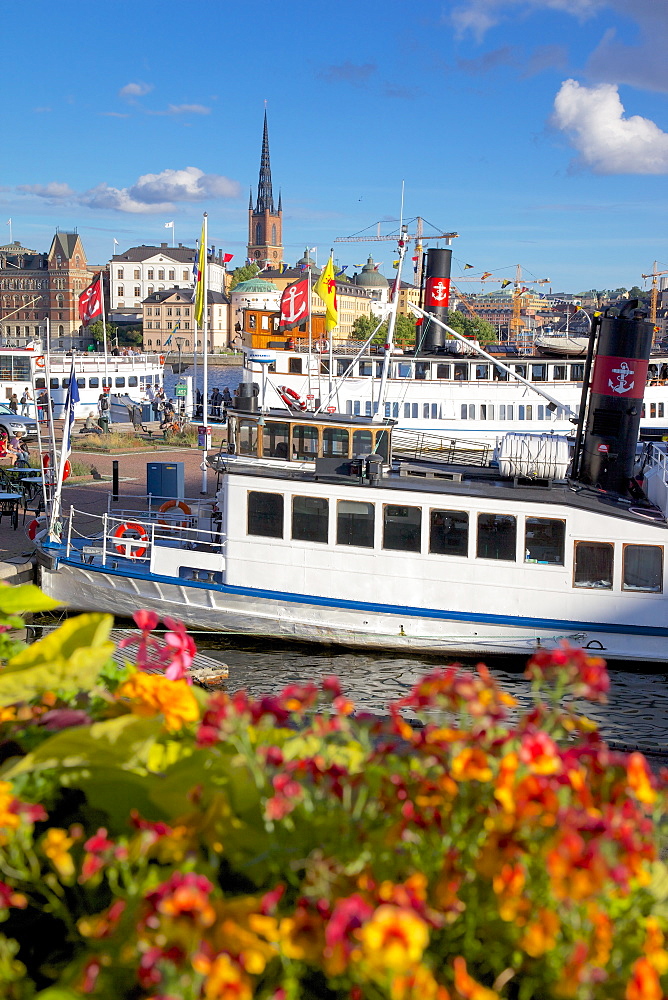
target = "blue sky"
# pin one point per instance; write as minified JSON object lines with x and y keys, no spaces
{"x":536,"y":129}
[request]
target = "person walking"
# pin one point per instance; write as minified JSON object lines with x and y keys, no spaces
{"x":26,"y":400}
{"x":14,"y":403}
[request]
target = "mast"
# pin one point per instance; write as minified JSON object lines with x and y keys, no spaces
{"x":205,"y":352}
{"x":402,"y":245}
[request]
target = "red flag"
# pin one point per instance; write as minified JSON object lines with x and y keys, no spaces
{"x":90,"y":301}
{"x":227,"y":257}
{"x":295,"y":304}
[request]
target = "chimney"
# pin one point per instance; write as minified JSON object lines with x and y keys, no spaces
{"x":163,"y":244}
{"x":436,"y":295}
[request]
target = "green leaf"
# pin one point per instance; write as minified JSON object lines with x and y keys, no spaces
{"x":26,"y":597}
{"x":75,"y":636}
{"x":57,"y":993}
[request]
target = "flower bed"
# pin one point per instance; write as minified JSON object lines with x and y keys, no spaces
{"x":158,"y":842}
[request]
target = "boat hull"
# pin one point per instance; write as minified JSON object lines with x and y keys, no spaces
{"x":242,"y":611}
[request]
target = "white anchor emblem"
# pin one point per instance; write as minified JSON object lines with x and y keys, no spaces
{"x":290,"y":312}
{"x":623,"y":371}
{"x":440,"y":292}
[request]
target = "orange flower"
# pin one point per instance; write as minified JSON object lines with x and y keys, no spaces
{"x":541,"y":935}
{"x":393,"y":940}
{"x":467,"y":987}
{"x":638,"y":777}
{"x":504,"y":786}
{"x":417,"y":985}
{"x":644,"y":982}
{"x":153,"y":694}
{"x":603,"y":934}
{"x":226,"y":981}
{"x":540,"y":753}
{"x":302,"y":937}
{"x":508,"y":885}
{"x":56,"y":845}
{"x":654,"y":945}
{"x":471,"y":765}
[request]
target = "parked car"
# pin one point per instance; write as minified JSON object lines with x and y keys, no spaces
{"x":11,"y":422}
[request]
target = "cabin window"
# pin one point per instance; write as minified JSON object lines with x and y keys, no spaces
{"x":577,"y":373}
{"x":81,"y":383}
{"x":120,"y":382}
{"x":310,"y":519}
{"x":305,"y":442}
{"x":251,"y":321}
{"x":366,"y":368}
{"x":652,"y":409}
{"x":379,"y":369}
{"x":559,"y":373}
{"x":354,"y":523}
{"x":643,"y":568}
{"x":66,"y":383}
{"x":434,"y":411}
{"x":324,"y":366}
{"x":461,"y":373}
{"x":53,"y":383}
{"x":544,"y":540}
{"x":247,"y":438}
{"x":449,"y":532}
{"x":341,"y":367}
{"x":357,"y":407}
{"x":367,"y":408}
{"x":482,"y":371}
{"x":497,"y":534}
{"x":404,"y":370}
{"x":40,"y":383}
{"x":502,"y":411}
{"x":464,"y":411}
{"x":486,"y":411}
{"x":593,"y":565}
{"x":265,"y":514}
{"x":414,"y":411}
{"x":539,"y":373}
{"x":443,"y":371}
{"x":295,"y":366}
{"x":275,"y":440}
{"x":402,"y":527}
{"x":660,"y":409}
{"x":335,"y":442}
{"x":499,"y":374}
{"x":362,"y":442}
{"x":383,"y":444}
{"x":425,"y":411}
{"x":422,"y":369}
{"x":94,"y":382}
{"x":132,"y":380}
{"x":521,"y":370}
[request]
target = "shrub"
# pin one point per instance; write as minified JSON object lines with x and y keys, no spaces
{"x":159,"y":842}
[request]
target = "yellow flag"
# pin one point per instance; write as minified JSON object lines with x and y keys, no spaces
{"x":200,"y":279}
{"x":326,"y":289}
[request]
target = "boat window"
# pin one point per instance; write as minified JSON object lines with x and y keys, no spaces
{"x":425,"y":411}
{"x":497,"y":535}
{"x":324,"y":366}
{"x":660,"y":408}
{"x":367,"y":408}
{"x":434,"y":411}
{"x":509,"y":412}
{"x":334,"y":442}
{"x":310,"y":518}
{"x":265,"y":514}
{"x":540,"y":412}
{"x":559,"y":373}
{"x":379,"y":369}
{"x":94,"y":382}
{"x":354,"y":523}
{"x":275,"y":440}
{"x":461,"y":373}
{"x":520,"y":370}
{"x":643,"y":568}
{"x":520,"y":412}
{"x":402,"y":527}
{"x":341,"y":366}
{"x":357,"y":407}
{"x":66,"y":383}
{"x":120,"y":382}
{"x":442,"y":371}
{"x":577,"y":373}
{"x":502,"y":411}
{"x":305,"y":442}
{"x":464,"y":411}
{"x":362,"y":442}
{"x":449,"y":533}
{"x":471,"y":411}
{"x":382,"y":444}
{"x":132,"y":381}
{"x":544,"y":540}
{"x":247,"y":437}
{"x":529,"y":412}
{"x":40,"y":383}
{"x":486,"y":411}
{"x":482,"y":371}
{"x":422,"y":369}
{"x":499,"y":374}
{"x":53,"y":383}
{"x":106,"y":382}
{"x":404,"y":370}
{"x":539,"y":373}
{"x":414,"y":411}
{"x":366,"y":367}
{"x":81,"y":382}
{"x":593,"y":565}
{"x":652,"y":409}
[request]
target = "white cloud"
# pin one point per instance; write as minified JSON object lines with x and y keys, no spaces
{"x":609,"y":143}
{"x":183,"y":109}
{"x":53,"y":191}
{"x":478,"y":16}
{"x":131,"y":90}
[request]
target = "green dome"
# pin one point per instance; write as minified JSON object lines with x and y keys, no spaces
{"x":306,"y":259}
{"x":255,"y":285}
{"x":370,"y":278}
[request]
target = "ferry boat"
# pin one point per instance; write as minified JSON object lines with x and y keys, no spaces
{"x":133,"y":375}
{"x":321,"y":530}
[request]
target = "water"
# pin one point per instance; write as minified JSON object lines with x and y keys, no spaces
{"x":220,"y":377}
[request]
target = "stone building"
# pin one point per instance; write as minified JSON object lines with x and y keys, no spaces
{"x":265,"y":222}
{"x":169,"y":320}
{"x":138,"y":272}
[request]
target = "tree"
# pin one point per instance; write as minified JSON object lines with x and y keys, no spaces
{"x":404,"y":330}
{"x":96,"y":331}
{"x":244,"y":273}
{"x":472,"y":326}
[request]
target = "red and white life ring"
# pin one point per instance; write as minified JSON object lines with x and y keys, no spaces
{"x":39,"y":361}
{"x":291,"y":398}
{"x":138,"y":538}
{"x":37,"y":529}
{"x":162,"y":359}
{"x":175,"y":505}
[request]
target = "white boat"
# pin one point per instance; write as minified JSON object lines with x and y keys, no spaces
{"x":320,"y":532}
{"x":133,"y":375}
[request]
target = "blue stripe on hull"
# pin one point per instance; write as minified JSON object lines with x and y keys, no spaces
{"x":388,"y":609}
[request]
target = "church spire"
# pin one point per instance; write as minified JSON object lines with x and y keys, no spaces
{"x":265,"y":197}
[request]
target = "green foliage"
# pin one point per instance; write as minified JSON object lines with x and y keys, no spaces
{"x":96,"y":331}
{"x":472,"y":326}
{"x":404,"y":330}
{"x":244,"y":273}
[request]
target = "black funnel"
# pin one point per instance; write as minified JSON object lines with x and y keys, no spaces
{"x":436,"y":296}
{"x":615,"y":400}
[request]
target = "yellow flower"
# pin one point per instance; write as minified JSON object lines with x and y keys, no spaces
{"x":541,"y":935}
{"x":226,"y":981}
{"x":637,"y":774}
{"x":153,"y":694}
{"x":393,"y":940}
{"x":9,"y":819}
{"x":654,"y":945}
{"x":471,"y":765}
{"x":56,"y":845}
{"x":302,"y":937}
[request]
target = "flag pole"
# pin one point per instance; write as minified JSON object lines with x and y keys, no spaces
{"x":49,"y":408}
{"x":104,"y":338}
{"x":330,"y":333}
{"x":205,"y":353}
{"x":310,"y":333}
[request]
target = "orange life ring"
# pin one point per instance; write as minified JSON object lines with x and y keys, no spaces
{"x":162,"y":359}
{"x":173,"y":505}
{"x":46,"y":463}
{"x":39,"y":362}
{"x":130,"y":527}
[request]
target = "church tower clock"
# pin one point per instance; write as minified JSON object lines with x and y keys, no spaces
{"x":265,"y":223}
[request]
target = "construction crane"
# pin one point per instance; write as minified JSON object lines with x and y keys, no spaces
{"x":520,"y":287}
{"x":655,"y":292}
{"x":418,"y":236}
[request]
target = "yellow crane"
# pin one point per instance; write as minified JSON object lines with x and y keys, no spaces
{"x":518,"y":291}
{"x":655,"y":292}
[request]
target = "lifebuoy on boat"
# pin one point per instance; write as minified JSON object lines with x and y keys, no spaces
{"x":37,"y":529}
{"x":39,"y":362}
{"x":162,"y":359}
{"x":175,"y":505}
{"x":291,"y":398}
{"x":46,"y":463}
{"x":138,"y":538}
